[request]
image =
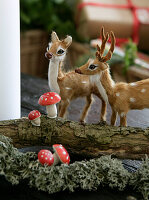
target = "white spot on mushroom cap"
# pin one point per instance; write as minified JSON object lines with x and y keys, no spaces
{"x":133,"y":84}
{"x":132,"y":99}
{"x":64,"y":152}
{"x":42,"y":156}
{"x":58,"y":146}
{"x":46,"y":158}
{"x":117,"y":94}
{"x":56,"y":95}
{"x":41,"y":98}
{"x":51,"y":97}
{"x":42,"y":152}
{"x":143,"y":90}
{"x":67,"y":157}
{"x":45,"y":99}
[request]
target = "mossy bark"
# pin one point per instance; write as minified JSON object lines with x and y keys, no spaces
{"x":90,"y":140}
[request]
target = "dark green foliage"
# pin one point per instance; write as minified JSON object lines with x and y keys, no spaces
{"x":47,"y":15}
{"x":86,"y":175}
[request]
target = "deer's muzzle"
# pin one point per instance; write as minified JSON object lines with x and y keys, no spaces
{"x":48,"y":55}
{"x":78,"y":71}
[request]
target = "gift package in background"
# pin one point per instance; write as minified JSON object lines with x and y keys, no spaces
{"x":127,"y":18}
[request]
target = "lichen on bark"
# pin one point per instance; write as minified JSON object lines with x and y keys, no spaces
{"x":90,"y":140}
{"x":86,"y":175}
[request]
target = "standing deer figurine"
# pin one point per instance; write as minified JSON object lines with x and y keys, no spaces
{"x":121,"y":96}
{"x":69,"y":85}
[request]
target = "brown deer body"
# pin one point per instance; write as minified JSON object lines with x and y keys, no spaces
{"x":121,"y":96}
{"x":69,"y":85}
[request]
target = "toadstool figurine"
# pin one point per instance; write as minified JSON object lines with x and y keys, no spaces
{"x":34,"y":117}
{"x":49,"y":100}
{"x":45,"y":157}
{"x":60,"y":154}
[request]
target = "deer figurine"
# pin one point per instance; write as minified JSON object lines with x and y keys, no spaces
{"x":69,"y":85}
{"x":121,"y":96}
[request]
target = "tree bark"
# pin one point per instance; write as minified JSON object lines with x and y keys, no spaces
{"x":90,"y":140}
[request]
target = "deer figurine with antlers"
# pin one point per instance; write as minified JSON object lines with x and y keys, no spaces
{"x":121,"y":96}
{"x":69,"y":85}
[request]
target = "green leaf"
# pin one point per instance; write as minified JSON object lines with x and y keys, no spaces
{"x":130,"y":55}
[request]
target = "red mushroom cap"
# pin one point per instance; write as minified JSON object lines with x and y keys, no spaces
{"x":49,"y":98}
{"x":61,"y":153}
{"x":45,"y":157}
{"x":34,"y":114}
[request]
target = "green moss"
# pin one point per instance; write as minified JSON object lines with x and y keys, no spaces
{"x":146,"y":132}
{"x":140,"y":180}
{"x":96,"y":134}
{"x":86,"y":175}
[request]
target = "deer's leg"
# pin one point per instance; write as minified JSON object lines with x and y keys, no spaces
{"x":113,"y":117}
{"x":103,"y":111}
{"x":86,"y":108}
{"x":123,"y":121}
{"x":63,"y":107}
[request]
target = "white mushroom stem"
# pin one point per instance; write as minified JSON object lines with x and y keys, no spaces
{"x":51,"y":111}
{"x":56,"y":159}
{"x":36,"y":122}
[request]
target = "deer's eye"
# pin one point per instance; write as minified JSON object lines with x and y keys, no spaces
{"x":92,"y":67}
{"x":61,"y":51}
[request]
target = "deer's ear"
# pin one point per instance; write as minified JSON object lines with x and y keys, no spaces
{"x":68,"y":41}
{"x":90,"y":60}
{"x":54,"y":37}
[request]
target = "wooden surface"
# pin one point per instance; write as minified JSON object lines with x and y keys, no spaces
{"x":33,"y":87}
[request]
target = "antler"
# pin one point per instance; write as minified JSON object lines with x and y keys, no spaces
{"x":100,"y":50}
{"x":104,"y":40}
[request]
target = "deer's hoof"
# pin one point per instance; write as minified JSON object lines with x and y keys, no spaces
{"x":102,"y":123}
{"x":82,"y":122}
